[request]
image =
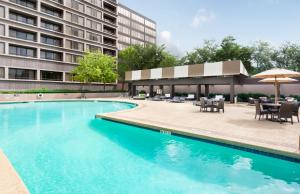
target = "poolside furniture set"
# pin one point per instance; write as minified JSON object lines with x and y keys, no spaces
{"x":278,"y":112}
{"x":211,"y":104}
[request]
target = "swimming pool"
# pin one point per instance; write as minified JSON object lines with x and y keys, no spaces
{"x":58,"y":147}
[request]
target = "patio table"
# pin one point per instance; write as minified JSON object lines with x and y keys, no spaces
{"x":273,"y":108}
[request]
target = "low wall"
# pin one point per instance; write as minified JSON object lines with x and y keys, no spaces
{"x":55,"y":96}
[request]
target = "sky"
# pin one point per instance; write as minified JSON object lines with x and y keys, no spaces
{"x":183,"y":25}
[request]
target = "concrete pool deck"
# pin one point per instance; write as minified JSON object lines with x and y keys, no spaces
{"x":10,"y":182}
{"x":236,"y":126}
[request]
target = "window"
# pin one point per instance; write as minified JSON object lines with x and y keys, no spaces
{"x":74,"y":31}
{"x":22,"y":74}
{"x":51,"y":25}
{"x":2,"y":12}
{"x":74,"y":45}
{"x":2,"y":72}
{"x":26,"y":3}
{"x":137,"y":34}
{"x":92,"y":48}
{"x":125,"y":39}
{"x":74,"y":18}
{"x":22,"y":18}
{"x":124,"y":21}
{"x":93,"y":12}
{"x":2,"y":30}
{"x":93,"y":25}
{"x":51,"y":55}
{"x":124,"y":30}
{"x":95,"y":2}
{"x":138,"y":18}
{"x":150,"y":24}
{"x":150,"y":39}
{"x":51,"y":75}
{"x":22,"y":34}
{"x":138,"y":26}
{"x":150,"y":32}
{"x":93,"y":37}
{"x":58,"y":1}
{"x":109,"y":41}
{"x":2,"y":48}
{"x":22,"y":51}
{"x":124,"y":12}
{"x":70,"y":58}
{"x":51,"y":10}
{"x":135,"y":41}
{"x":51,"y":40}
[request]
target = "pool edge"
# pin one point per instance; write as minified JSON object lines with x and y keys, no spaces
{"x":10,"y":181}
{"x":285,"y":155}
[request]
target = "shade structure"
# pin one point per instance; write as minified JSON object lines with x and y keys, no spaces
{"x":277,"y":74}
{"x":279,"y":80}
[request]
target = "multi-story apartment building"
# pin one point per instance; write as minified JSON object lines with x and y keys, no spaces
{"x":42,"y":40}
{"x":134,"y":28}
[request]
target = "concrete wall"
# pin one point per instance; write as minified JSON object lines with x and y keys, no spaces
{"x":28,"y":85}
{"x":286,"y":89}
{"x":29,"y":97}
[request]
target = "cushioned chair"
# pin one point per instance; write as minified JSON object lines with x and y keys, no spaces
{"x":259,"y":110}
{"x":219,"y":106}
{"x":286,"y":112}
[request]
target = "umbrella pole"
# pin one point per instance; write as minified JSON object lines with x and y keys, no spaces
{"x":276,"y":90}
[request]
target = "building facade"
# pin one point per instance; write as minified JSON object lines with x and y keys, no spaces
{"x":134,"y":28}
{"x":42,"y":40}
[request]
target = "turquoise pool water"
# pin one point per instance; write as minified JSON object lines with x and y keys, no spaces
{"x":58,"y":147}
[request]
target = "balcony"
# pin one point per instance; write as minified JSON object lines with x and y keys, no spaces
{"x":109,"y":30}
{"x":109,"y":41}
{"x":109,"y":19}
{"x":109,"y":52}
{"x":110,"y":8}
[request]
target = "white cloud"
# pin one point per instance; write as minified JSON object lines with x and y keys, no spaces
{"x":202,"y":16}
{"x":165,"y":37}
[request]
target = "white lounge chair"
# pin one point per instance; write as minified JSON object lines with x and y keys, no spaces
{"x":190,"y":97}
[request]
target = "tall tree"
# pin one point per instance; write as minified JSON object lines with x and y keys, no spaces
{"x":287,"y":56}
{"x":207,"y":53}
{"x":262,"y":56}
{"x":96,"y":67}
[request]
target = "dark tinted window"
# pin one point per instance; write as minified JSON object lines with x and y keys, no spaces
{"x":51,"y":40}
{"x":51,"y":55}
{"x":51,"y":75}
{"x":22,"y":51}
{"x":22,"y":74}
{"x":22,"y":18}
{"x":26,"y":3}
{"x":21,"y":34}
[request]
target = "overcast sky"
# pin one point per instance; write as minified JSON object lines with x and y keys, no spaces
{"x":183,"y":24}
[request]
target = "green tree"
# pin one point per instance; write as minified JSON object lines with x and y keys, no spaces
{"x":287,"y":56}
{"x":96,"y":67}
{"x":207,"y":53}
{"x":262,"y":56}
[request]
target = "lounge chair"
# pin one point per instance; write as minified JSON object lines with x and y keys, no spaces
{"x":190,"y":97}
{"x":290,"y":99}
{"x":259,"y":110}
{"x":156,"y":98}
{"x":176,"y":99}
{"x":286,"y":112}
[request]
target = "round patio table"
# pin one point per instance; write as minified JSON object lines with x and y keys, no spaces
{"x":273,"y":109}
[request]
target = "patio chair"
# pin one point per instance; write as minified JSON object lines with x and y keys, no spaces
{"x":259,"y":110}
{"x":204,"y":105}
{"x":219,"y":106}
{"x":286,"y":112}
{"x":290,"y":99}
{"x":251,"y":101}
{"x":296,"y":110}
{"x":264,"y":100}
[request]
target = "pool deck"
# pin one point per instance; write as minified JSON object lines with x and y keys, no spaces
{"x":10,"y":182}
{"x":236,"y":126}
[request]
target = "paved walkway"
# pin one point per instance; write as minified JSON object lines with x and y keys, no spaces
{"x":236,"y":126}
